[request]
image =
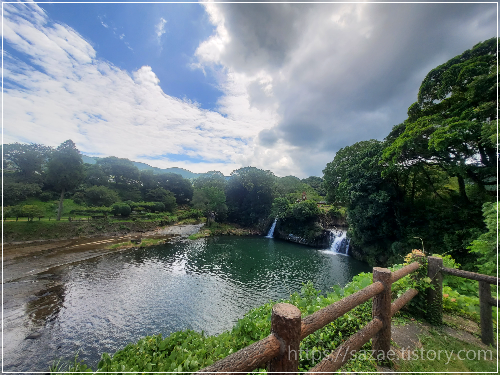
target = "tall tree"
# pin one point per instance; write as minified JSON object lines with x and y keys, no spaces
{"x":354,"y":178}
{"x":65,"y":170}
{"x":451,"y":125}
{"x":27,"y":160}
{"x":250,"y":195}
{"x":121,"y":171}
{"x":180,"y":186}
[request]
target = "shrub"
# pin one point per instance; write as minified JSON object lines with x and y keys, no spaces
{"x":121,"y":209}
{"x":100,"y":196}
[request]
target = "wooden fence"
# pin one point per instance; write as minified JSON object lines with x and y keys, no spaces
{"x":486,"y":301}
{"x":280,"y":350}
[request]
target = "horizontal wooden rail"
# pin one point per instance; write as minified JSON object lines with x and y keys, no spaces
{"x":402,"y":272}
{"x":248,"y":358}
{"x":471,"y":275}
{"x":326,"y":315}
{"x":344,"y":352}
{"x":403,"y":300}
{"x":274,"y":349}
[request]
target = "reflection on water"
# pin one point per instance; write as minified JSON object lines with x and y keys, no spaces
{"x":102,"y":304}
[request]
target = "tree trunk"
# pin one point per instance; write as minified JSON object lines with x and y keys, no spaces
{"x":60,"y":208}
{"x":461,"y":187}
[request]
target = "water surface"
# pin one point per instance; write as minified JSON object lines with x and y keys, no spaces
{"x":101,"y":304}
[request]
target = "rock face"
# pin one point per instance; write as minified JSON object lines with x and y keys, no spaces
{"x":323,"y":240}
{"x":327,"y":221}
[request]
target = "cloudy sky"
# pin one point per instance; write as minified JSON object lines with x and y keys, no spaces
{"x":218,"y":86}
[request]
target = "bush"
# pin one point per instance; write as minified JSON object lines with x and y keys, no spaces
{"x":121,"y":209}
{"x":78,"y":197}
{"x":100,"y":196}
{"x":191,"y":214}
{"x":49,"y":196}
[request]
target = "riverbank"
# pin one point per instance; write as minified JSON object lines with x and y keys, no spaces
{"x":23,"y":231}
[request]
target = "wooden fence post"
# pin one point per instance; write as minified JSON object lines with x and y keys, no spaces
{"x":485,"y":313}
{"x":435,"y":293}
{"x":381,"y":343}
{"x":286,"y":325}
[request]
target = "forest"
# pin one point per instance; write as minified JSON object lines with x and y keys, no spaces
{"x":430,"y":184}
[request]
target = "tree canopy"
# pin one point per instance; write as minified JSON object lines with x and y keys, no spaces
{"x":65,"y":170}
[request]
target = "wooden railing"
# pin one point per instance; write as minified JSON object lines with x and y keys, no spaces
{"x":486,"y":301}
{"x":280,"y":350}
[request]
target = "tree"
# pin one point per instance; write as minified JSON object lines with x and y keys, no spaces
{"x":14,"y":192}
{"x":121,"y":209}
{"x":31,"y":211}
{"x":181,"y":187}
{"x":164,"y":196}
{"x":95,"y":175}
{"x":354,"y":178}
{"x":212,"y":202}
{"x":100,"y":196}
{"x":27,"y":160}
{"x":210,"y":179}
{"x":485,"y":246}
{"x":250,"y":195}
{"x":121,"y":171}
{"x":65,"y":170}
{"x":451,"y":125}
{"x":316,"y":183}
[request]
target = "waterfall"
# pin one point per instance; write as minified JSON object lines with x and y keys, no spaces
{"x":339,"y":242}
{"x":271,"y":231}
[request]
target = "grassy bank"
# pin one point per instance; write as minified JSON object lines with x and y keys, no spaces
{"x":45,"y":230}
{"x":224,"y":229}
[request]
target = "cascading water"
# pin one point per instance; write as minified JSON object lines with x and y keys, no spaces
{"x":271,"y":230}
{"x":339,"y":242}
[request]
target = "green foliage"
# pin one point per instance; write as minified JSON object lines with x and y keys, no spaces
{"x":65,"y":170}
{"x":100,"y":196}
{"x":354,"y":178}
{"x":280,"y":207}
{"x":317,"y":183}
{"x":179,"y":186}
{"x":249,"y":195}
{"x":213,"y":179}
{"x":95,"y":175}
{"x":121,"y":209}
{"x":434,"y":342}
{"x":15,"y":192}
{"x":300,"y":218}
{"x":210,"y":200}
{"x":31,"y":211}
{"x":190,"y":214}
{"x":121,"y":171}
{"x":486,"y":244}
{"x":92,"y":211}
{"x":65,"y":167}
{"x":167,"y":198}
{"x":27,"y":160}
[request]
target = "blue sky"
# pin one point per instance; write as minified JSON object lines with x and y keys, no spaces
{"x":221,"y":86}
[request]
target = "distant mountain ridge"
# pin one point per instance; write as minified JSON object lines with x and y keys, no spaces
{"x":143,"y":166}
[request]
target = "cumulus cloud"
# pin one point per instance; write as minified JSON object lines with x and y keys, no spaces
{"x":335,"y":74}
{"x":299,"y":82}
{"x":63,"y":91}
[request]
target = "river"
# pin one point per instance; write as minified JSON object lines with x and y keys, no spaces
{"x":102,"y":303}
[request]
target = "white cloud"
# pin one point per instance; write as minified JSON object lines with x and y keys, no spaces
{"x":71,"y":94}
{"x":160,"y":28}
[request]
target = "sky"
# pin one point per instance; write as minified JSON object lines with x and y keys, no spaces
{"x":219,"y":86}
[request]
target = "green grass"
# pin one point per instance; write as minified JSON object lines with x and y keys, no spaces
{"x":453,"y":360}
